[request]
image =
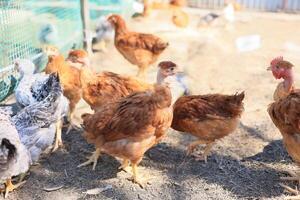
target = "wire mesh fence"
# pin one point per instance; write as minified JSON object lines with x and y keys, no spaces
{"x":28,"y":25}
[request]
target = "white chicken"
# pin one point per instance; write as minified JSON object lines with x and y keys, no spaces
{"x":14,"y":157}
{"x":178,"y":83}
{"x":32,"y":89}
{"x":104,"y":33}
{"x":36,"y":123}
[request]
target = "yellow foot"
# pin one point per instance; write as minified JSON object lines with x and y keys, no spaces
{"x":9,"y":187}
{"x":92,"y":159}
{"x":293,"y":176}
{"x":291,"y":190}
{"x":125,"y":166}
{"x":142,"y":182}
{"x":58,"y":143}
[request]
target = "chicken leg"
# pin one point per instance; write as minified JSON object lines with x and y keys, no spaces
{"x":58,"y":141}
{"x":92,"y":159}
{"x":9,"y":187}
{"x":124,"y":165}
{"x":207,"y":149}
{"x":102,"y":46}
{"x":71,"y":121}
{"x":142,"y":72}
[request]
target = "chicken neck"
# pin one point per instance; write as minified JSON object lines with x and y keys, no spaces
{"x":288,"y":82}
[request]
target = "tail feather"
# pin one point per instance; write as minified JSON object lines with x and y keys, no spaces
{"x":239,"y":97}
{"x":160,"y":46}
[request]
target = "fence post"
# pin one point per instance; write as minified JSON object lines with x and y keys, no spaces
{"x":85,"y":16}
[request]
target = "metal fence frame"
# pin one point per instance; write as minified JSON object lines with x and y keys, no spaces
{"x":257,"y":5}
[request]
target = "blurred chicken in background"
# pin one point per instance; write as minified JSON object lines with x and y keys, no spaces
{"x":48,"y":34}
{"x":208,"y":19}
{"x":180,"y":18}
{"x":104,"y":33}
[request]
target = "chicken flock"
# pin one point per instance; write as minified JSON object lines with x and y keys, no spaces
{"x":130,"y":115}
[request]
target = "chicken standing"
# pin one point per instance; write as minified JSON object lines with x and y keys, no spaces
{"x":208,"y":117}
{"x":180,"y":18}
{"x":69,"y":78}
{"x":130,"y":126}
{"x":33,"y":89}
{"x":98,"y":89}
{"x":138,"y":48}
{"x":36,"y":123}
{"x":285,"y":112}
{"x":104,"y":33}
{"x":14,"y":157}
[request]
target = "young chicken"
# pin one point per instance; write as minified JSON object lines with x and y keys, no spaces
{"x":129,"y":127}
{"x":98,"y":89}
{"x":104,"y":33}
{"x":208,"y":117}
{"x":69,"y":78}
{"x":180,"y":18}
{"x":138,"y":48}
{"x":14,"y":157}
{"x":285,"y":112}
{"x":36,"y":123}
{"x":33,"y":88}
{"x":170,"y":73}
{"x":179,"y":3}
{"x":23,"y":92}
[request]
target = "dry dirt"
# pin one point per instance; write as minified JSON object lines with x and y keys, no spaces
{"x":245,"y":165}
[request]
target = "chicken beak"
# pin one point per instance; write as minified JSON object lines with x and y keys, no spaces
{"x":269,"y":68}
{"x":82,"y":126}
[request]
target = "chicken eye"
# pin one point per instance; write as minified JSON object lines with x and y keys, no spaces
{"x":277,"y":67}
{"x":172,"y":68}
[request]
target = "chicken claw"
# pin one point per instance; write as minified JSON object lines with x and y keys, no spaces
{"x":136,"y":179}
{"x":93,"y":159}
{"x":9,"y":187}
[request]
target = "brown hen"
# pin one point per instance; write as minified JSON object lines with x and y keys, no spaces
{"x":208,"y":117}
{"x":285,"y":110}
{"x":138,"y":48}
{"x":99,"y":89}
{"x":69,"y":78}
{"x":129,"y":127}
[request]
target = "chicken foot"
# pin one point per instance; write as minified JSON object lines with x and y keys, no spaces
{"x":58,"y":140}
{"x":125,"y":165}
{"x":9,"y":187}
{"x":294,"y":176}
{"x":207,"y":149}
{"x":135,"y":177}
{"x":92,"y":159}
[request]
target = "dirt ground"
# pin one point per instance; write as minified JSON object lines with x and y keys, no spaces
{"x":245,"y":165}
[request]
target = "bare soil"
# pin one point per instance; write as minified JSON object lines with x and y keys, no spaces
{"x":245,"y":165}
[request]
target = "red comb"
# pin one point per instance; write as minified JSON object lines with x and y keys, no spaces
{"x":276,"y":60}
